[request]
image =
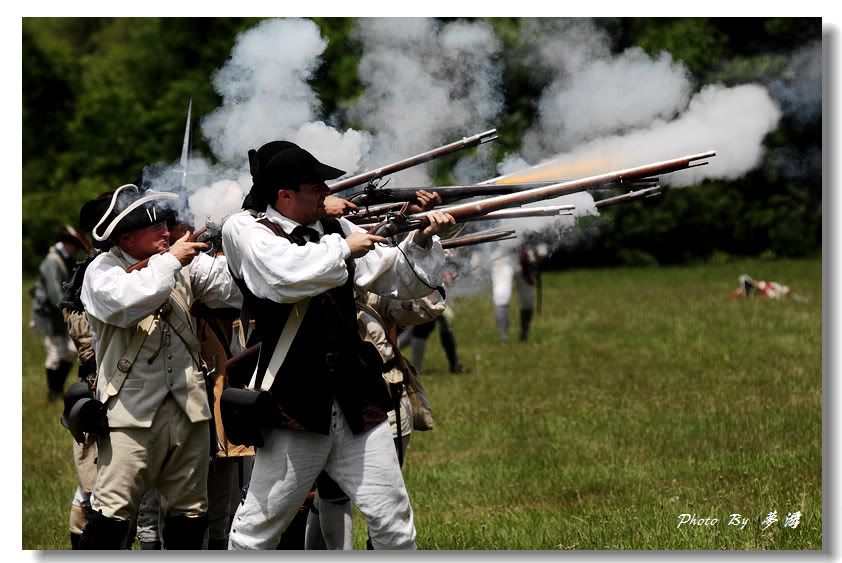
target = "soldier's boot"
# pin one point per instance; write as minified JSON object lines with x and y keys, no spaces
{"x":55,"y":379}
{"x":501,"y":314}
{"x":150,"y":545}
{"x":53,"y":394}
{"x":419,"y":346}
{"x":525,"y":319}
{"x":103,"y":532}
{"x":184,"y":532}
{"x":448,"y":342}
{"x":218,"y":544}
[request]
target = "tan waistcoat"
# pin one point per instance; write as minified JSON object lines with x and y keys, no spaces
{"x":134,"y":402}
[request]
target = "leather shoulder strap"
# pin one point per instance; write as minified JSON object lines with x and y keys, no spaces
{"x":121,"y":370}
{"x":296,"y":315}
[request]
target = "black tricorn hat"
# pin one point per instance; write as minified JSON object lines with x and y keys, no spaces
{"x":283,"y":164}
{"x":129,"y":208}
{"x":93,"y":210}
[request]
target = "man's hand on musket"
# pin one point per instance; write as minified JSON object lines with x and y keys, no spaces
{"x":336,"y":207}
{"x":184,"y":250}
{"x":425,"y":201}
{"x":361,"y":243}
{"x":439,"y":222}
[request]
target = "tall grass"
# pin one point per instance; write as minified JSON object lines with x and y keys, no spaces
{"x":642,"y":394}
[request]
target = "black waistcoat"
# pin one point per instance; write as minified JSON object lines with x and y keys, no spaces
{"x":327,"y":358}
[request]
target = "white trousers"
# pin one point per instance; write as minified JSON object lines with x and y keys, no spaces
{"x":503,"y":271}
{"x":365,"y":466}
{"x":59,"y":348}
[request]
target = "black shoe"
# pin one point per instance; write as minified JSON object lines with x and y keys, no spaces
{"x":150,"y":546}
{"x":102,"y":532}
{"x":183,"y":532}
{"x":218,"y":544}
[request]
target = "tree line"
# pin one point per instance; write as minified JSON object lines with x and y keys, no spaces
{"x":104,"y":97}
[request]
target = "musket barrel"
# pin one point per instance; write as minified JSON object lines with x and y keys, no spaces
{"x":462,"y":211}
{"x":476,"y":238}
{"x":366,"y":177}
{"x":485,"y":206}
{"x":523,"y":212}
{"x":631,"y":196}
{"x":449,"y":194}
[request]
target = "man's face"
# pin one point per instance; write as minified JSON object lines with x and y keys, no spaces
{"x":146,"y":242}
{"x":307,"y":204}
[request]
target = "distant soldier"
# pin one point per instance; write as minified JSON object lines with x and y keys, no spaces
{"x":508,"y":268}
{"x":417,"y":336}
{"x":47,"y":318}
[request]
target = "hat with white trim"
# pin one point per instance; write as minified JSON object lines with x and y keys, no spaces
{"x":130,"y":209}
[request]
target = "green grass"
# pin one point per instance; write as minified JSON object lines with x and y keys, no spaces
{"x":641,"y":395}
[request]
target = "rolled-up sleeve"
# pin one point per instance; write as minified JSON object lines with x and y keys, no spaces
{"x":408,"y":271}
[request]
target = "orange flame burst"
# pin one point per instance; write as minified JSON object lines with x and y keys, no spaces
{"x":560,"y":170}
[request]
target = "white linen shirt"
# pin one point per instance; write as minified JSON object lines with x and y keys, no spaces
{"x":122,"y":299}
{"x":274,"y":268}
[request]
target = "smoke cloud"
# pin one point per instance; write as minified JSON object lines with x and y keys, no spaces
{"x":265,"y":97}
{"x":621,"y":94}
{"x":426,"y":84}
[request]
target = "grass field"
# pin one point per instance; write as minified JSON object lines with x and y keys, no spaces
{"x":642,"y":394}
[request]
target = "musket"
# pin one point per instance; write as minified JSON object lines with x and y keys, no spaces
{"x":378,"y":173}
{"x":367,"y":214}
{"x":515,"y":213}
{"x":449,"y":194}
{"x":461,"y":212}
{"x":477,"y":238}
{"x":631,"y":196}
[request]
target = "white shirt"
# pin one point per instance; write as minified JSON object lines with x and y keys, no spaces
{"x":276,"y":269}
{"x":232,"y":230}
{"x":122,"y":299}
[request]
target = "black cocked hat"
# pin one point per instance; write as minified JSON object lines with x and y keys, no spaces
{"x":128,"y":209}
{"x":283,"y":164}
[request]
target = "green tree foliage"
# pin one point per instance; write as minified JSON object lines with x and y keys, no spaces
{"x":696,"y":42}
{"x":105,"y":97}
{"x":774,"y":210}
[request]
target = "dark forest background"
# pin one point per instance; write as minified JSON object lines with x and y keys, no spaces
{"x":105,"y":97}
